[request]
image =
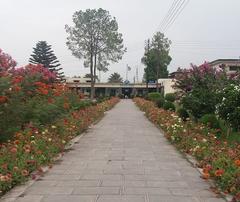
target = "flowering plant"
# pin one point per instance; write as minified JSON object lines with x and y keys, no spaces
{"x":229,"y":107}
{"x":218,"y":158}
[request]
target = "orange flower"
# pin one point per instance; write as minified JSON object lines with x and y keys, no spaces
{"x":43,"y":91}
{"x":66,"y":105}
{"x":219,"y":172}
{"x":205,"y":176}
{"x":25,"y":173}
{"x":237,"y":163}
{"x":16,"y":142}
{"x":207,"y":168}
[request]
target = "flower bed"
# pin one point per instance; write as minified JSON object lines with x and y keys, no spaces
{"x":34,"y":147}
{"x":218,"y":159}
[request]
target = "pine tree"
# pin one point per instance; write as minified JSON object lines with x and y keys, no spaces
{"x":43,"y":54}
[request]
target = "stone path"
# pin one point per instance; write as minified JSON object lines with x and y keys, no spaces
{"x":124,"y":158}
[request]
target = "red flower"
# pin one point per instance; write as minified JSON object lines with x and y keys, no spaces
{"x":43,"y":91}
{"x":16,"y":88}
{"x":50,"y":100}
{"x":219,"y":172}
{"x":17,"y":79}
{"x":3,"y":99}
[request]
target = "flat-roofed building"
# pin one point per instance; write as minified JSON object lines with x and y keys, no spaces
{"x":111,"y":89}
{"x":231,"y":66}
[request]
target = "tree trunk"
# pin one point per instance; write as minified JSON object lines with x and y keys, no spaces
{"x":147,"y":80}
{"x":92,"y":78}
{"x":157,"y":85}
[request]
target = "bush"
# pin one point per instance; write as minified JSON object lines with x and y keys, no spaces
{"x":169,"y":106}
{"x":229,"y":107}
{"x":160,"y":102}
{"x":211,"y":121}
{"x":200,"y":102}
{"x":183,"y":114}
{"x":170,"y":97}
{"x":154,"y":96}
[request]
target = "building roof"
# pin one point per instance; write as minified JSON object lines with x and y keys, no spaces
{"x":224,"y":61}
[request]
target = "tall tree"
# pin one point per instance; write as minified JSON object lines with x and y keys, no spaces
{"x":94,"y":37}
{"x":115,"y":78}
{"x":43,"y":54}
{"x":157,"y":58}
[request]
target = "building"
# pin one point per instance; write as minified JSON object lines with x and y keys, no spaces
{"x":111,"y":89}
{"x":78,"y":80}
{"x":231,"y":66}
{"x":167,"y":85}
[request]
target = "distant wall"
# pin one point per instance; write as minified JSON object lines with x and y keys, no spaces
{"x":167,"y":84}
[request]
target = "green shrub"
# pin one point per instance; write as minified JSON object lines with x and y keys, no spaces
{"x":211,"y":121}
{"x":170,"y":97}
{"x":183,"y":114}
{"x":160,"y":102}
{"x":229,"y":107}
{"x":169,"y":106}
{"x":200,"y":102}
{"x":154,"y":96}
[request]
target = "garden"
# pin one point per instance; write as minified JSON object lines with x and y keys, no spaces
{"x":38,"y":118}
{"x":202,"y":120}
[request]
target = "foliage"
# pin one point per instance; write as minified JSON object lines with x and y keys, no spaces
{"x":28,"y":96}
{"x":95,"y":38}
{"x":200,"y":77}
{"x":211,"y":121}
{"x":171,"y":97}
{"x":229,"y":107}
{"x":156,"y":57}
{"x":198,"y":87}
{"x":183,"y":113}
{"x":154,"y":96}
{"x":34,"y":147}
{"x":217,"y":158}
{"x":160,"y":102}
{"x":200,"y":102}
{"x":169,"y":106}
{"x":6,"y":63}
{"x":115,"y":78}
{"x":43,"y":54}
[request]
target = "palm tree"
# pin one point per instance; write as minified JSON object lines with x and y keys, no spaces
{"x":115,"y":78}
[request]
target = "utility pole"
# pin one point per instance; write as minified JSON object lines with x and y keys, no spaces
{"x":137,"y":74}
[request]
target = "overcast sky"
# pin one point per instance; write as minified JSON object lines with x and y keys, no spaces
{"x":206,"y":30}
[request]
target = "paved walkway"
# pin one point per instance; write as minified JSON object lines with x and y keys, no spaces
{"x":122,"y":158}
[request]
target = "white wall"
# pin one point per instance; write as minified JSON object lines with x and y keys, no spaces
{"x":167,"y":83}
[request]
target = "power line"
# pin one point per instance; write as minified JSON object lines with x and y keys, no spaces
{"x":173,"y":19}
{"x":174,"y":13}
{"x":169,"y":13}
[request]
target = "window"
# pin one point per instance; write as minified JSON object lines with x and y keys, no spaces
{"x":234,"y":68}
